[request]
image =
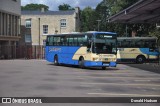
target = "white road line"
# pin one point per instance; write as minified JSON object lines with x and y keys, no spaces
{"x":142,"y":80}
{"x":125,"y":77}
{"x":113,"y":94}
{"x":155,"y":85}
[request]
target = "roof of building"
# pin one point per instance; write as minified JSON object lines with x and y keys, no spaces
{"x":70,"y":12}
{"x":144,"y":11}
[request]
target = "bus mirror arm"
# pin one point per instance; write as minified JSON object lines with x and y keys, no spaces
{"x":47,"y":43}
{"x":88,"y":49}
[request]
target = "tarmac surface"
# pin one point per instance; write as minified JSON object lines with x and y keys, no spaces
{"x":152,"y":67}
{"x":38,"y":78}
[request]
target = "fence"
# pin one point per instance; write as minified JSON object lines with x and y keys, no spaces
{"x":22,"y":52}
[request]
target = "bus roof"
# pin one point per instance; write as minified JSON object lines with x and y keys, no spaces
{"x":133,"y":38}
{"x":96,"y":32}
{"x":82,"y":33}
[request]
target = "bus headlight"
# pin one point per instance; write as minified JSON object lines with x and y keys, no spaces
{"x":95,"y":59}
{"x":113,"y":59}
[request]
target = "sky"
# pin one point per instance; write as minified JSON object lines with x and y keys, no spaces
{"x":53,"y":4}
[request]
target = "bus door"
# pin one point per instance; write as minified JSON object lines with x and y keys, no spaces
{"x":152,"y":49}
{"x":158,"y":44}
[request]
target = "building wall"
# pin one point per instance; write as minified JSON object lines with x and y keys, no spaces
{"x":9,"y":27}
{"x":11,"y":6}
{"x":53,"y":22}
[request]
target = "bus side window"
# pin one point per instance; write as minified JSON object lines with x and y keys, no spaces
{"x":50,"y":41}
{"x":138,"y":44}
{"x":132,"y":44}
{"x":80,"y":41}
{"x":85,"y":41}
{"x":75,"y":41}
{"x":119,"y":44}
{"x":57,"y":41}
{"x":70,"y":41}
{"x":125,"y":43}
{"x":146,"y":44}
{"x":63,"y":41}
{"x":47,"y":41}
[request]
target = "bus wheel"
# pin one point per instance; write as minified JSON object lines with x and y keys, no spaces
{"x":140,"y":59}
{"x":103,"y":68}
{"x":56,"y":60}
{"x":81,"y":63}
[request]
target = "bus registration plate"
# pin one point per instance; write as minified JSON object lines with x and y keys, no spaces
{"x":105,"y":64}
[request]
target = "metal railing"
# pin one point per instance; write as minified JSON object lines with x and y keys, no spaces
{"x":22,"y":52}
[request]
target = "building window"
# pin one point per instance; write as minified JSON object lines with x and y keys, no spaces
{"x":45,"y":29}
{"x":63,"y":23}
{"x":14,"y":0}
{"x":28,"y":23}
{"x":28,"y":38}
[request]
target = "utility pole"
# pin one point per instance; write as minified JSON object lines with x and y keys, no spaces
{"x":98,"y":23}
{"x":39,"y":40}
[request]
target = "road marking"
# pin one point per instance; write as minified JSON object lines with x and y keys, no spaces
{"x":113,"y":94}
{"x":125,"y":77}
{"x":122,"y":84}
{"x":142,"y":80}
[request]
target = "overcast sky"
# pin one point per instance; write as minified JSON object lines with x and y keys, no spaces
{"x":53,"y":4}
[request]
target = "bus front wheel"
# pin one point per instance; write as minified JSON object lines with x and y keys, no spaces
{"x":56,"y":60}
{"x":140,"y":59}
{"x":81,"y":62}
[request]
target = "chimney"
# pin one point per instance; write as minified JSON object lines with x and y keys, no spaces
{"x":42,"y":9}
{"x":77,"y":9}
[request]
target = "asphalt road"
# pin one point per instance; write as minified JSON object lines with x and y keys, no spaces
{"x":38,"y":78}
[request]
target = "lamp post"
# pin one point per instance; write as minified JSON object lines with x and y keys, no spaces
{"x":39,"y":42}
{"x":98,"y":23}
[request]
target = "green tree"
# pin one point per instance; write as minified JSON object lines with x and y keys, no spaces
{"x":88,"y":18}
{"x":34,"y":7}
{"x":65,"y":7}
{"x":108,"y":8}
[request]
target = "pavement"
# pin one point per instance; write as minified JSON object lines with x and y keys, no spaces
{"x":152,"y":67}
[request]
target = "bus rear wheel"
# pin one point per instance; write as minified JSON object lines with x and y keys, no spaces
{"x":104,"y":68}
{"x":81,"y":63}
{"x":56,"y":60}
{"x":140,"y":59}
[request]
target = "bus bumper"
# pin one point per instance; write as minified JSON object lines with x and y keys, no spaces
{"x":100,"y":64}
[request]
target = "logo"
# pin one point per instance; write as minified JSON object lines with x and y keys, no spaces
{"x":132,"y":50}
{"x":21,"y":100}
{"x":6,"y":100}
{"x":54,"y":49}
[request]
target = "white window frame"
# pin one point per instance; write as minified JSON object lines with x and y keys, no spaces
{"x":28,"y":23}
{"x":28,"y":38}
{"x":45,"y":29}
{"x":63,"y":23}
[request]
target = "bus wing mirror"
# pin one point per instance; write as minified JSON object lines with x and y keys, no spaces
{"x":88,"y":49}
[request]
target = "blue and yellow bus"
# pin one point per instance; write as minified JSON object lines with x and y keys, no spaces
{"x":137,"y":49}
{"x":90,"y":49}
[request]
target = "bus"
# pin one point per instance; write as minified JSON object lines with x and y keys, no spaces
{"x":90,"y":49}
{"x":137,"y":49}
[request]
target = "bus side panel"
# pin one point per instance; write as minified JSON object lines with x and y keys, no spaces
{"x":51,"y":51}
{"x":127,"y":54}
{"x":130,"y":54}
{"x":82,"y":51}
{"x":49,"y":54}
{"x":66,"y":54}
{"x":151,"y":55}
{"x":70,"y":53}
